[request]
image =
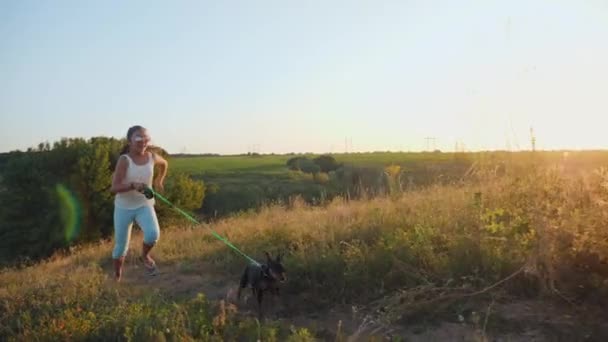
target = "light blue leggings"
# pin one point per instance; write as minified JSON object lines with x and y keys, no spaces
{"x":145,"y":216}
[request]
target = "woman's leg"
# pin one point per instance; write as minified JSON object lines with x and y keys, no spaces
{"x":123,"y":221}
{"x":147,"y":220}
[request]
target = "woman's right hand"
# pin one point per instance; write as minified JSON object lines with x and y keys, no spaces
{"x":138,"y":186}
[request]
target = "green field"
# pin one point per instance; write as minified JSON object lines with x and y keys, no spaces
{"x":276,"y":164}
{"x":272,"y":164}
{"x":237,"y":183}
{"x":244,"y":182}
{"x":221,"y":164}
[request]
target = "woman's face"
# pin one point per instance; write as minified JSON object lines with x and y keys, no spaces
{"x":139,"y":141}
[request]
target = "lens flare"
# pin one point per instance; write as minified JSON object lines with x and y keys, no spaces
{"x":70,"y":213}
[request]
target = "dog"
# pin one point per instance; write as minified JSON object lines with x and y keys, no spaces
{"x":263,"y":278}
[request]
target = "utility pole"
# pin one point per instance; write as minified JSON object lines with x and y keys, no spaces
{"x":532,"y":139}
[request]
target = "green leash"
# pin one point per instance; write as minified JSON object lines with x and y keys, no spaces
{"x":149,"y":193}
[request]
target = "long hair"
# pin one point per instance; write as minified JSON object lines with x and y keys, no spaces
{"x":130,"y":133}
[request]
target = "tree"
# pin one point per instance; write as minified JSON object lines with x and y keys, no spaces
{"x":91,"y":180}
{"x":326,"y":163}
{"x":294,"y":163}
{"x":58,"y":195}
{"x":303,"y":164}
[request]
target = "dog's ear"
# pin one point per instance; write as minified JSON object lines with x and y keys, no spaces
{"x":279,"y":257}
{"x":268,"y":256}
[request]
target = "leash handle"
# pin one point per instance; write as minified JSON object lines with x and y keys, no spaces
{"x":193,"y":220}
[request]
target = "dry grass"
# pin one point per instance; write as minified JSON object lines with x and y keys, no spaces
{"x":465,"y":235}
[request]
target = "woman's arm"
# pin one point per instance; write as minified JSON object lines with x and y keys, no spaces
{"x":163,"y":167}
{"x":119,"y":176}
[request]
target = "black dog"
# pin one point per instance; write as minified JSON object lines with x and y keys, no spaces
{"x":262,"y":278}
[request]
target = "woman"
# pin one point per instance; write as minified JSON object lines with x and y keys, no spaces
{"x":134,"y":173}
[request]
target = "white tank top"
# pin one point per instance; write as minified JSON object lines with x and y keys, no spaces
{"x":134,"y":199}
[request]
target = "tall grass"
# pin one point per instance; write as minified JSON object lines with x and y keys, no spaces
{"x":551,"y":221}
{"x":70,"y":302}
{"x":548,"y":220}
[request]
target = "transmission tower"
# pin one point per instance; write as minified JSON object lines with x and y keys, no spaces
{"x":532,"y":139}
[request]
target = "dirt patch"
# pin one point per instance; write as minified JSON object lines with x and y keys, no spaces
{"x":177,"y":284}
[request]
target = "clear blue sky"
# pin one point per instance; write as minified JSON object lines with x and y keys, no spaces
{"x":223,"y":76}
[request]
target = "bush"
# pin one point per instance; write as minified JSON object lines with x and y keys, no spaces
{"x":309,"y":166}
{"x":303,"y":164}
{"x":321,"y":178}
{"x":294,"y":163}
{"x":184,"y":192}
{"x":326,"y":163}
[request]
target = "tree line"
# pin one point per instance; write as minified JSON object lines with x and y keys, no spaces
{"x":56,"y":196}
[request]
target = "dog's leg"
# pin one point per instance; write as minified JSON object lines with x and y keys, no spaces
{"x":242,"y":284}
{"x":254,"y":294}
{"x":276,"y":300}
{"x":260,"y":293}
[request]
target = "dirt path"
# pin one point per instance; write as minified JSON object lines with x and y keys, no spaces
{"x":517,"y":321}
{"x":178,"y":283}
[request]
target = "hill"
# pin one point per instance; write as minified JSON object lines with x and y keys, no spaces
{"x":512,"y":256}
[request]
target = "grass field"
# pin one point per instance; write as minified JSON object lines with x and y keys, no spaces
{"x":276,"y":163}
{"x":241,"y":183}
{"x":518,"y":255}
{"x":221,"y":164}
{"x":271,"y":164}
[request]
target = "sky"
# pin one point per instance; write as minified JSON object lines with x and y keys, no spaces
{"x":306,"y":76}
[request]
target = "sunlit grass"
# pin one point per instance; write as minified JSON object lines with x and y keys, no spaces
{"x":473,"y":233}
